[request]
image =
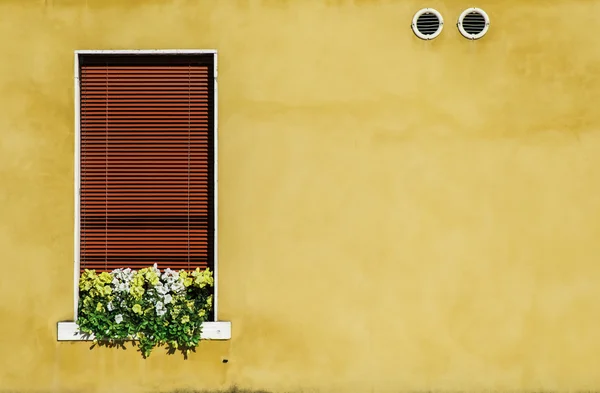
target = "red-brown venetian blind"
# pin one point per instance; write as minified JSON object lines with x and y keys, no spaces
{"x":146,"y":161}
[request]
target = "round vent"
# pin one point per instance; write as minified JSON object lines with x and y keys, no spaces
{"x":473,"y":23}
{"x":427,"y":23}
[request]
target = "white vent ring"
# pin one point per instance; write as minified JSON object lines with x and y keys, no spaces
{"x":427,"y":23}
{"x":473,"y":23}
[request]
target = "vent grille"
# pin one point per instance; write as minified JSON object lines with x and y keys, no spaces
{"x":473,"y":23}
{"x":427,"y":24}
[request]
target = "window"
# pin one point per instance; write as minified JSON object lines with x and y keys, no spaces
{"x":146,"y":166}
{"x":146,"y":162}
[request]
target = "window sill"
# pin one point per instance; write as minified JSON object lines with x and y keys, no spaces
{"x":67,"y":331}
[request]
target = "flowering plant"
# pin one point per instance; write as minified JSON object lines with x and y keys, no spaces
{"x":157,"y":309}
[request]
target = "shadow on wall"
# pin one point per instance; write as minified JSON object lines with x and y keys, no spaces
{"x":237,"y":390}
{"x":233,"y":389}
{"x":168,"y":348}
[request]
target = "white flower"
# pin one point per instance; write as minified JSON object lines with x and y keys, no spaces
{"x":160,"y":309}
{"x":161,"y":289}
{"x":170,"y":277}
{"x":109,"y":306}
{"x":168,"y":299}
{"x":121,"y":279}
{"x":118,"y":318}
{"x":177,"y":287}
{"x":122,"y":276}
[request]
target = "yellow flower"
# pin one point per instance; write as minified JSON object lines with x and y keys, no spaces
{"x":190,"y":304}
{"x":87,"y":280}
{"x":185,"y":319}
{"x":137,"y":309}
{"x":187,"y":282}
{"x":85,"y":285}
{"x":138,"y":280}
{"x":105,"y":278}
{"x":99,"y":307}
{"x":87,"y":301}
{"x":151,"y":276}
{"x":203,"y":278}
{"x":98,"y":289}
{"x":89,"y":274}
{"x":107,"y":290}
{"x":183,"y":274}
{"x":209,"y":277}
{"x":209,"y":300}
{"x":175,"y":311}
{"x":201,"y":313}
{"x":136,"y":291}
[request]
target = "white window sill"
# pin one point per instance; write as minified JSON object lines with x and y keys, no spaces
{"x":67,"y":331}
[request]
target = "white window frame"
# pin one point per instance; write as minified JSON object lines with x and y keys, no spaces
{"x":216,"y":330}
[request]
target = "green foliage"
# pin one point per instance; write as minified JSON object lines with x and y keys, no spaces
{"x":157,"y":309}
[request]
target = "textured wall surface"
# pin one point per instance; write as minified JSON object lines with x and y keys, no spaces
{"x":394,"y":214}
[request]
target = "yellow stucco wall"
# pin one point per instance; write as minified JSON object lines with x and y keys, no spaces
{"x":394,"y":214}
